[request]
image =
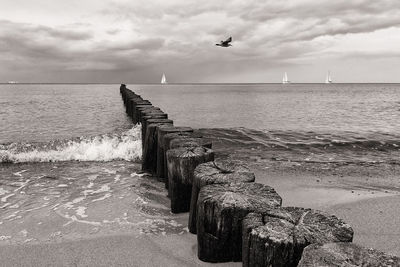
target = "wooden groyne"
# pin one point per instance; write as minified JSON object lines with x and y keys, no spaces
{"x":235,"y":218}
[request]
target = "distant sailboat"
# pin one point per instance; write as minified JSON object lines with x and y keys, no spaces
{"x":163,"y":79}
{"x":285,"y":78}
{"x":328,"y":77}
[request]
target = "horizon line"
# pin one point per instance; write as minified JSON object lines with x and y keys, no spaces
{"x":288,"y":84}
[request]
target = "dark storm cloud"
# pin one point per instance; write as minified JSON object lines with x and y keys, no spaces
{"x":45,"y":48}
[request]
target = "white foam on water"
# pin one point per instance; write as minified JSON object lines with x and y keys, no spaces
{"x":107,"y":195}
{"x":22,"y":185}
{"x":5,"y":205}
{"x":70,"y":204}
{"x":109,"y":171}
{"x":124,"y":146}
{"x":73,"y":218}
{"x":93,"y":177}
{"x":4,"y":199}
{"x":24,"y":233}
{"x":4,"y":237}
{"x":19,"y":173}
{"x":3,"y":191}
{"x":117,"y":178}
{"x":80,"y":211}
{"x":103,"y":188}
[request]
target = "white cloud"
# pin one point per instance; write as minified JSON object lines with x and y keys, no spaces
{"x":141,"y":39}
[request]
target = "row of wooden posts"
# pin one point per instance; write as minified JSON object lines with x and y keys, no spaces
{"x":235,"y":218}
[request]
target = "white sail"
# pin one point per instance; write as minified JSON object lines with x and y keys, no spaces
{"x":328,"y":77}
{"x":285,"y":78}
{"x":163,"y":79}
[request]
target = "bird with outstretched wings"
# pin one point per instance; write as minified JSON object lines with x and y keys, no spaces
{"x":225,"y":43}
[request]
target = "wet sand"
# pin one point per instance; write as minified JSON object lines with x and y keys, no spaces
{"x":366,"y":196}
{"x":109,"y":214}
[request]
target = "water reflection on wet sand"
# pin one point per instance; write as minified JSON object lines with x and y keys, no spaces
{"x":52,"y":202}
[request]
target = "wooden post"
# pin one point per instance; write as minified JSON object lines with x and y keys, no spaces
{"x":166,"y":140}
{"x":152,"y":112}
{"x":190,"y":141}
{"x":345,"y":254}
{"x":149,"y":158}
{"x":129,"y":95}
{"x":181,"y":164}
{"x":277,"y":237}
{"x":135,"y":109}
{"x":140,"y":108}
{"x":220,"y":211}
{"x":122,"y":89}
{"x":150,"y":121}
{"x":132,"y":102}
{"x":149,"y":117}
{"x":161,"y":158}
{"x":216,"y":172}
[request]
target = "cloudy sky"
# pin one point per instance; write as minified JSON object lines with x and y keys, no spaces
{"x":137,"y":40}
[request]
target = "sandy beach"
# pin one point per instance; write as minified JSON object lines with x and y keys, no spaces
{"x":132,"y":226}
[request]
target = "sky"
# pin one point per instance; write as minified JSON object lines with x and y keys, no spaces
{"x":135,"y":41}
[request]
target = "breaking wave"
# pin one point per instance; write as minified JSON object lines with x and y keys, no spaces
{"x":107,"y":147}
{"x":339,"y":147}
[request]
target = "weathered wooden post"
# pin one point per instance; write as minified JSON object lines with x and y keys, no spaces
{"x":277,"y":237}
{"x":150,"y":121}
{"x":153,"y":112}
{"x":144,"y":111}
{"x":147,"y":117}
{"x":345,"y":254}
{"x":122,"y":88}
{"x":149,"y":158}
{"x":140,"y":108}
{"x":181,"y":164}
{"x":220,"y":211}
{"x":129,"y":95}
{"x":161,"y":158}
{"x":136,"y":107}
{"x":166,"y":140}
{"x":216,"y":172}
{"x":132,"y":101}
{"x":190,"y":141}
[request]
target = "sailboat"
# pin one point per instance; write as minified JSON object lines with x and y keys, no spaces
{"x":163,"y":79}
{"x":328,"y":77}
{"x":285,"y":78}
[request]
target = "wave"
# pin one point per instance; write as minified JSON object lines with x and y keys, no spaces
{"x":339,"y":147}
{"x":107,"y":147}
{"x":310,"y":140}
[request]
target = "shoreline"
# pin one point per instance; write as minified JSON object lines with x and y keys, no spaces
{"x":341,"y":190}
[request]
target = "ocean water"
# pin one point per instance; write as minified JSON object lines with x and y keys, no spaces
{"x":66,"y":148}
{"x":61,"y":122}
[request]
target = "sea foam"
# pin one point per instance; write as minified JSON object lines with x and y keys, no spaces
{"x":107,"y":147}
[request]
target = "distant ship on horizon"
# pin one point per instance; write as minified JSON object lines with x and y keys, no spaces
{"x":328,"y":78}
{"x":285,"y":78}
{"x":163,"y":79}
{"x":12,"y":82}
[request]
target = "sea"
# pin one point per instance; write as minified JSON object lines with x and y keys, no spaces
{"x":65,"y":145}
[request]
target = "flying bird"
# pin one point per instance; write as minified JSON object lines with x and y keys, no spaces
{"x":225,"y":43}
